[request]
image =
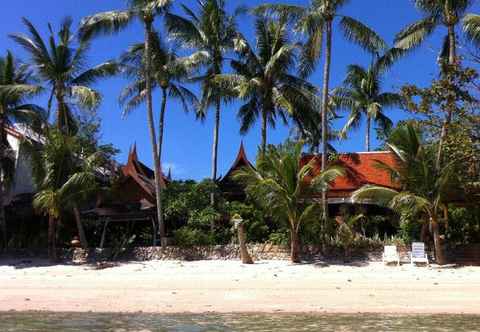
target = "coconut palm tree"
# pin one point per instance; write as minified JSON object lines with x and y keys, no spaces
{"x":447,"y":13}
{"x":263,"y":79}
{"x":65,"y":178}
{"x":16,"y":87}
{"x":113,"y":22}
{"x":208,"y":30}
{"x":424,"y":189}
{"x":362,"y":95}
{"x":281,"y":184}
{"x":169,"y":73}
{"x":316,"y":22}
{"x":61,"y":65}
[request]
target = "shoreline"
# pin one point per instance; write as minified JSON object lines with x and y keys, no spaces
{"x":225,"y":287}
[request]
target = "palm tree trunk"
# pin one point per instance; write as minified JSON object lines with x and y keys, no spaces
{"x":161,"y":124}
{"x":264,"y":132}
{"x":153,"y":135}
{"x":326,"y":81}
{"x":52,"y":238}
{"x":244,"y":255}
{"x":439,"y":254}
{"x":81,"y":230}
{"x":216,"y":130}
{"x":452,"y":51}
{"x":3,"y":221}
{"x":367,"y":137}
{"x":294,"y":246}
{"x":451,"y":61}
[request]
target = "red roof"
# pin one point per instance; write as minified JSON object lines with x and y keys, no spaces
{"x":361,"y":169}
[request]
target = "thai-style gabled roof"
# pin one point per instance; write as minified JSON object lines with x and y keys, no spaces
{"x":360,"y":168}
{"x":233,"y":189}
{"x":240,"y":161}
{"x":141,"y":174}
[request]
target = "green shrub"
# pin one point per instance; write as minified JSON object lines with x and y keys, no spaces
{"x":463,"y":225}
{"x":189,"y":237}
{"x":280,"y":238}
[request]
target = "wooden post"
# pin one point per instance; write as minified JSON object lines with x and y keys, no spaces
{"x":102,"y":241}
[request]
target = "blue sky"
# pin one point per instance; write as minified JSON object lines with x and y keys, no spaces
{"x":187,"y":148}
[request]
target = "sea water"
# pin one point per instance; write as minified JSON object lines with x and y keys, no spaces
{"x":140,"y":322}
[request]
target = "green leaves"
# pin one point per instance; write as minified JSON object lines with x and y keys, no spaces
{"x":282,"y":183}
{"x":413,"y":35}
{"x":359,"y":33}
{"x":471,"y":27}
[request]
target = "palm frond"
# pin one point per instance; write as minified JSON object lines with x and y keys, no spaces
{"x":413,"y":35}
{"x":362,"y":35}
{"x":110,"y":22}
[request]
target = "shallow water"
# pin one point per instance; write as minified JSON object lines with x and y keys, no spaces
{"x":73,"y":322}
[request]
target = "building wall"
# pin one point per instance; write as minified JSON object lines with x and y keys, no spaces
{"x":23,"y":181}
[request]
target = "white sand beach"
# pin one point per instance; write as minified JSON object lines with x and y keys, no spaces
{"x":229,"y":286}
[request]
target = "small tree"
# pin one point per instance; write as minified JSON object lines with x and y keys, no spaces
{"x":239,"y":224}
{"x":283,"y":185}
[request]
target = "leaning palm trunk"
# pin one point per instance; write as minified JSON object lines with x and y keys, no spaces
{"x":326,"y":78}
{"x":52,"y":238}
{"x":264,"y":131}
{"x":244,"y":255}
{"x":151,"y":126}
{"x":81,"y":230}
{"x":216,"y":130}
{"x":294,"y":245}
{"x":451,"y":62}
{"x":439,"y":255}
{"x":3,"y":221}
{"x":367,"y":136}
{"x":161,"y":123}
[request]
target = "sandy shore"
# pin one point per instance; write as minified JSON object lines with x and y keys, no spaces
{"x":228,"y":286}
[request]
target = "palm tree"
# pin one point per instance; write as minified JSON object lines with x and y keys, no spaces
{"x":61,"y":65}
{"x":63,"y":180}
{"x":210,"y":32}
{"x":169,"y":74}
{"x":424,"y":189}
{"x":362,"y":95}
{"x":16,"y":86}
{"x":113,"y":22}
{"x":316,"y":21}
{"x":448,"y":13}
{"x":264,"y":81}
{"x":281,"y":184}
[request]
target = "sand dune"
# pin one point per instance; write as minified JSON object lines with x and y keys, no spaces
{"x":229,"y":286}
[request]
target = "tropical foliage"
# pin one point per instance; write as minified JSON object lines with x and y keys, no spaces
{"x":281,"y":184}
{"x":425,"y":191}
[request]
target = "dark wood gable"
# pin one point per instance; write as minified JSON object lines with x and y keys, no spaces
{"x":231,"y":189}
